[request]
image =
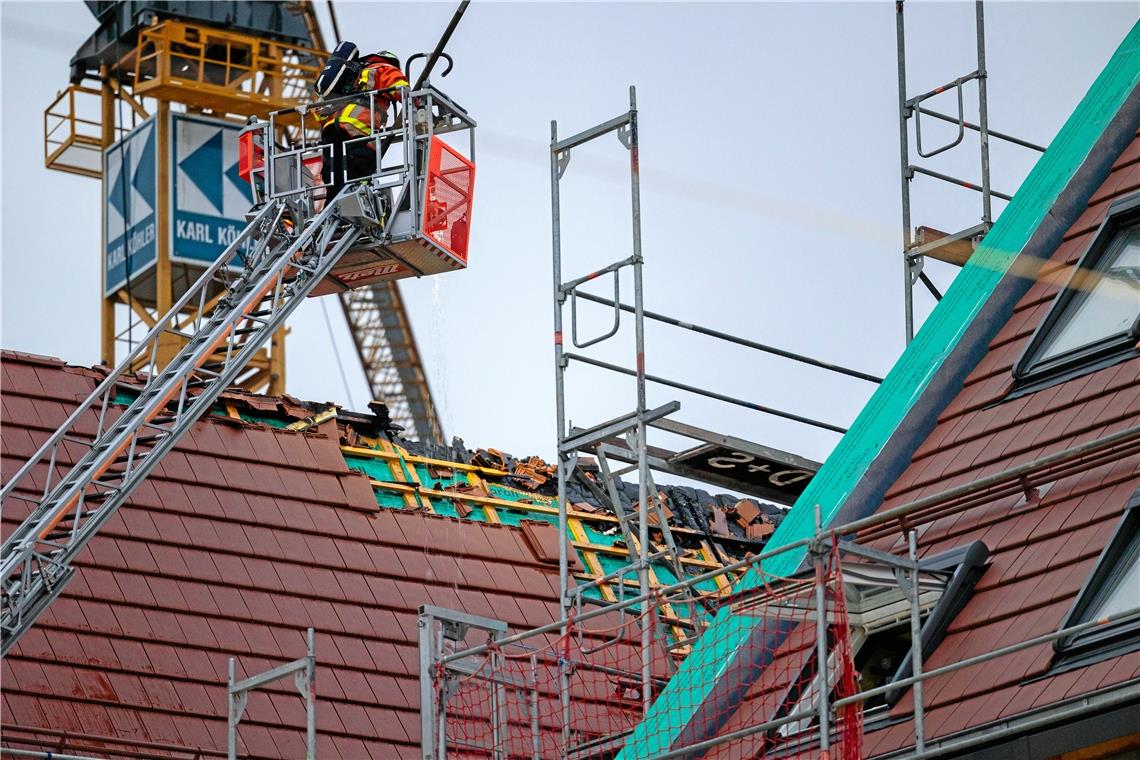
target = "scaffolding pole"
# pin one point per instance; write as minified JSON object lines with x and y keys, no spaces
{"x":304,"y":672}
{"x":625,"y":128}
{"x":915,"y":252}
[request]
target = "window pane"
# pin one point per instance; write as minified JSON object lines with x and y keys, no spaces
{"x":1126,"y":595}
{"x":1111,"y":305}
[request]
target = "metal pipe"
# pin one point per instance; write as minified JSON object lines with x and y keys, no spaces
{"x":141,"y":744}
{"x":6,"y":752}
{"x":1010,"y":488}
{"x":441,"y":737}
{"x":983,"y":113}
{"x":589,"y":134}
{"x":559,"y":362}
{"x":961,"y":183}
{"x":1014,"y":474}
{"x":1073,"y":630}
{"x":736,"y":339}
{"x":642,"y":444}
{"x":614,"y":267}
{"x":560,"y":404}
{"x":697,"y":749}
{"x":906,"y":174}
{"x":941,"y":89}
{"x":532,"y":704}
{"x":708,"y":394}
{"x":332,"y":17}
{"x":916,"y":643}
{"x":822,"y":665}
{"x":428,"y":732}
{"x":700,"y":747}
{"x":993,"y":132}
{"x":1093,"y":703}
{"x":498,"y":706}
{"x":231,"y":728}
{"x":443,"y":40}
{"x":311,"y":696}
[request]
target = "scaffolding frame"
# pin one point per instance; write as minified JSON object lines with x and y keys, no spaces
{"x":904,"y":520}
{"x":923,"y":242}
{"x":304,"y":672}
{"x":624,"y":439}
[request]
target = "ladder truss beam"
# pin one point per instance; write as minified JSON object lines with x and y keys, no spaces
{"x":83,"y":487}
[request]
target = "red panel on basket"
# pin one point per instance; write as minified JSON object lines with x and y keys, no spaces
{"x":250,"y":155}
{"x":447,"y":198}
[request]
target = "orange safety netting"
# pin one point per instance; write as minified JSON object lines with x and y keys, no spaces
{"x":580,"y":694}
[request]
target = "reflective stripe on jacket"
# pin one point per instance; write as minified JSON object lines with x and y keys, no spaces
{"x":381,"y":76}
{"x":356,"y":119}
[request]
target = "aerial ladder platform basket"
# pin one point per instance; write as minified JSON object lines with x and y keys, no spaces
{"x":408,"y":217}
{"x":415,"y":206}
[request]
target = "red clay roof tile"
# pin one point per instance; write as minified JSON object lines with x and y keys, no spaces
{"x":1041,"y":553}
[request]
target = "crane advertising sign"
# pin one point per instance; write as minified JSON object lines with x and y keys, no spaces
{"x":209,"y":199}
{"x":129,"y":216}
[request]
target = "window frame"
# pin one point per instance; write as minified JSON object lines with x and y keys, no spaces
{"x":1113,"y":640}
{"x":964,"y":566}
{"x":1032,"y":374}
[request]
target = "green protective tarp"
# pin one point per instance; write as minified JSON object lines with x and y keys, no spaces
{"x":904,"y":384}
{"x":373,"y":467}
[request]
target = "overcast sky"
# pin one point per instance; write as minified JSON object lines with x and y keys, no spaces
{"x":770,"y":195}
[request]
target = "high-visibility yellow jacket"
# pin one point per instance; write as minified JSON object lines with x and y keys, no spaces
{"x":357,"y":119}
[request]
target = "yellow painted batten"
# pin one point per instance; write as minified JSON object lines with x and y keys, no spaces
{"x":357,"y":451}
{"x":583,"y":541}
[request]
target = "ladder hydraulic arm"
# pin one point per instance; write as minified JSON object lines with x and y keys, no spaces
{"x":378,"y":228}
{"x":91,"y":465}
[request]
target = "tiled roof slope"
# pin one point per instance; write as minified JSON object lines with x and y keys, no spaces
{"x":1041,"y":553}
{"x":244,"y":536}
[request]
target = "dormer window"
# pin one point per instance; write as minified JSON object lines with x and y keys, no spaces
{"x":1095,"y":320}
{"x":1111,"y":595}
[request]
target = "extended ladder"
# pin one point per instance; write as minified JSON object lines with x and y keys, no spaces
{"x":90,"y":466}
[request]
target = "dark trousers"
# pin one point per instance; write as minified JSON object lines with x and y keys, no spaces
{"x":345,"y":163}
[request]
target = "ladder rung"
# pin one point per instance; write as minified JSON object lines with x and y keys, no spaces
{"x":146,"y":440}
{"x":569,"y":285}
{"x":136,"y":457}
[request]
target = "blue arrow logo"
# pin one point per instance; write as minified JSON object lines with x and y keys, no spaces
{"x":119,"y":198}
{"x":143,"y":178}
{"x":235,"y":178}
{"x":203,"y":167}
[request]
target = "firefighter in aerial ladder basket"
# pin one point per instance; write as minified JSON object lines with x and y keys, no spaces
{"x":347,"y":73}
